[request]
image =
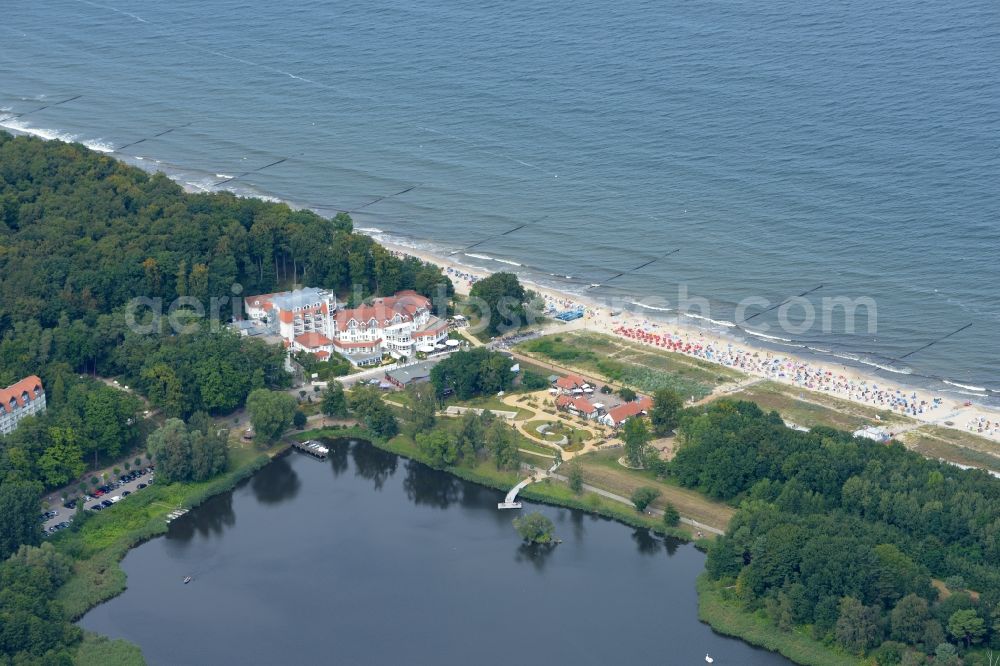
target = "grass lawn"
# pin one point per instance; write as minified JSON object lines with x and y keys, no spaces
{"x":681,"y":364}
{"x":537,"y":458}
{"x":527,"y":445}
{"x":644,"y":368}
{"x":97,"y":650}
{"x":957,"y":446}
{"x":809,"y":408}
{"x":532,"y":427}
{"x":492,"y":403}
{"x":601,"y":469}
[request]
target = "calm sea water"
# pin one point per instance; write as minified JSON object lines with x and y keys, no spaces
{"x":780,"y":146}
{"x":371,"y":559}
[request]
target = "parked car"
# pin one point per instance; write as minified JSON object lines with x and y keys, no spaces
{"x":106,"y":503}
{"x":141,"y":486}
{"x":96,"y":507}
{"x":126,"y":492}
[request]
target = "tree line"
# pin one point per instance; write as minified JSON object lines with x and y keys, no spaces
{"x":847,"y":536}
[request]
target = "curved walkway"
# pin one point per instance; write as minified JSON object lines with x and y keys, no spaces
{"x":510,"y":502}
{"x":537,"y":414}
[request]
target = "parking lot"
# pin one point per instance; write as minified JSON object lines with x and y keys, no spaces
{"x":59,"y":517}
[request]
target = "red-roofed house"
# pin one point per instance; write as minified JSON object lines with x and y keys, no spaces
{"x":570,"y":383}
{"x":577,"y":405}
{"x":616,"y":416}
{"x":18,"y":400}
{"x":313,"y":343}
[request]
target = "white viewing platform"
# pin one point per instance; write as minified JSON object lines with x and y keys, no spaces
{"x":510,"y":502}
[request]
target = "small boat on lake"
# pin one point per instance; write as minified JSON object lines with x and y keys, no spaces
{"x":187,"y":579}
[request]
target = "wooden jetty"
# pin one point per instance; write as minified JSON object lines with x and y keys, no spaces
{"x":313,"y":448}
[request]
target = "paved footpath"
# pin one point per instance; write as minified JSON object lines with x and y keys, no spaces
{"x":655,"y":512}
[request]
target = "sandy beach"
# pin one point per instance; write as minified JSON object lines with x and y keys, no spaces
{"x":844,"y":382}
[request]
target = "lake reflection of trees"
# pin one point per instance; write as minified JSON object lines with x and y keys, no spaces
{"x":537,"y":554}
{"x":211,"y":518}
{"x":646,"y":542}
{"x":429,"y":487}
{"x":276,"y":483}
{"x":650,"y":544}
{"x":372,"y":463}
{"x":338,"y":455}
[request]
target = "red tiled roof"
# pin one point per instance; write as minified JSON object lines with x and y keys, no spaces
{"x":262,"y":301}
{"x":630,"y":409}
{"x":570,"y":382}
{"x":382,"y":310}
{"x":16,"y":391}
{"x":579,"y":403}
{"x":322,"y":354}
{"x":312,"y":340}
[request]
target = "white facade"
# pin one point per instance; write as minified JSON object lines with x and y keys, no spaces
{"x":309,"y":320}
{"x":19,"y":400}
{"x":302,"y":318}
{"x":395,"y":325}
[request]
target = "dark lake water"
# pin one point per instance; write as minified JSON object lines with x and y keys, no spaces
{"x":369,"y":558}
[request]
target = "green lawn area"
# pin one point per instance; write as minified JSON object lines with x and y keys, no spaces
{"x":97,"y":650}
{"x":555,"y":434}
{"x":957,"y":446}
{"x":810,"y":408}
{"x":644,"y":368}
{"x":601,"y":469}
{"x":527,"y":445}
{"x":493,"y":403}
{"x":538,"y":459}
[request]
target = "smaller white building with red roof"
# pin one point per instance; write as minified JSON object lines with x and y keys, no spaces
{"x":578,"y":405}
{"x":20,"y":399}
{"x":571,"y":384}
{"x":616,"y":416}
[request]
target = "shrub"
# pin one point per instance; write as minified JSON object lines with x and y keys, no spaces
{"x":643,"y":497}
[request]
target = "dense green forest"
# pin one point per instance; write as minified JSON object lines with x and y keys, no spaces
{"x":844,"y":535}
{"x":471,"y":373}
{"x":84,"y":234}
{"x":81,"y":235}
